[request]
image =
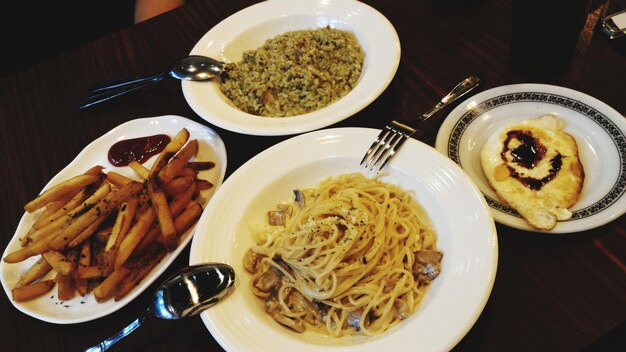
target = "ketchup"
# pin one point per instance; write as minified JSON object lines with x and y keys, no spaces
{"x":138,"y":149}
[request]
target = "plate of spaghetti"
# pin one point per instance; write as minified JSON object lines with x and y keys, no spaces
{"x":329,"y":256}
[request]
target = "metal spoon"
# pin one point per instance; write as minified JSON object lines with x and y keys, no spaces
{"x":191,"y":68}
{"x":186,"y":293}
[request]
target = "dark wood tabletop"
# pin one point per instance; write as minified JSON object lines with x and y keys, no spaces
{"x":551,"y":292}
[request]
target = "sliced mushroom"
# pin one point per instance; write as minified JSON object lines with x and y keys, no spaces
{"x":276,"y":217}
{"x":425,"y":273}
{"x":426,"y":256}
{"x":321,"y":307}
{"x":299,"y":198}
{"x":402,"y":309}
{"x":299,"y":303}
{"x":267,"y":281}
{"x":353,"y":319}
{"x":427,"y":265}
{"x":251,"y":260}
{"x":272,"y":303}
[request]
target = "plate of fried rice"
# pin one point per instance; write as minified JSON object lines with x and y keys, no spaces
{"x":293,"y":67}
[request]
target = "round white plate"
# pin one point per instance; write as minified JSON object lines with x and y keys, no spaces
{"x":80,"y":309}
{"x":599,"y":131}
{"x":249,"y":28}
{"x":465,"y":229}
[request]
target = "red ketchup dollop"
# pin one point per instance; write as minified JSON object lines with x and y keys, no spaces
{"x":138,"y":149}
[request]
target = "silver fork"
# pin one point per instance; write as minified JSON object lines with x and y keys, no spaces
{"x":391,"y":138}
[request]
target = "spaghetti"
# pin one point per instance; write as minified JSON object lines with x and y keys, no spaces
{"x":351,"y":255}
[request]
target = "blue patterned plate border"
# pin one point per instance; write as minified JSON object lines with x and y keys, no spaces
{"x":529,"y":97}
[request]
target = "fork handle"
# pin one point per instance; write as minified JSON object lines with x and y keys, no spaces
{"x":120,"y":83}
{"x":459,"y":90}
{"x":104,"y":93}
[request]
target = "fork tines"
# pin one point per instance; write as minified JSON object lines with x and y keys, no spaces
{"x":386,"y":145}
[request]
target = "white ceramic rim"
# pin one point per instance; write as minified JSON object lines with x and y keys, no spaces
{"x":250,"y":27}
{"x":460,"y":215}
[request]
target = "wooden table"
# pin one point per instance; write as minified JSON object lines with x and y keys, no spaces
{"x":551,"y":293}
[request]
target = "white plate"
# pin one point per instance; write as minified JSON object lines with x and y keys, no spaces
{"x":599,"y":131}
{"x":80,"y":309}
{"x":466,"y":234}
{"x":249,"y":28}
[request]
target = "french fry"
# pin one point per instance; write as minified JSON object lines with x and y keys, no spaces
{"x":98,"y":245}
{"x":63,"y":209}
{"x":163,"y":214}
{"x":84,"y":261}
{"x":95,"y":170}
{"x":170,"y":150}
{"x":148,"y":240}
{"x":118,"y":179}
{"x":123,"y":221}
{"x":65,"y":287}
{"x":154,"y":234}
{"x":186,"y":171}
{"x":137,"y":274}
{"x":201,"y":165}
{"x":134,"y":236}
{"x":87,"y":232}
{"x":178,"y":185}
{"x":105,"y":289}
{"x":188,"y":217}
{"x":180,"y":201}
{"x":178,"y":161}
{"x":185,"y":220}
{"x":63,"y":222}
{"x":203,"y":185}
{"x":148,"y":219}
{"x":37,"y":247}
{"x":59,"y":262}
{"x":37,"y":270}
{"x":105,"y":206}
{"x":90,"y":272}
{"x":102,"y":236}
{"x":54,"y":207}
{"x":139,"y":169}
{"x":65,"y":201}
{"x":57,"y":191}
{"x":28,"y":292}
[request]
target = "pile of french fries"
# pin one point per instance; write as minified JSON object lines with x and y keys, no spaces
{"x":104,"y":232}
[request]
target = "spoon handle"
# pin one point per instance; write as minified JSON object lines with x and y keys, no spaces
{"x":106,"y":92}
{"x":104,"y":345}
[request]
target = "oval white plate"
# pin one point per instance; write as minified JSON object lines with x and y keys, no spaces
{"x":599,"y":131}
{"x":466,"y":234}
{"x":80,"y":309}
{"x":249,"y":28}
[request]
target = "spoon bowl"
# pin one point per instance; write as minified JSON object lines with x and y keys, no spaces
{"x":192,"y":290}
{"x":197,"y":68}
{"x":186,"y":293}
{"x":190,"y":68}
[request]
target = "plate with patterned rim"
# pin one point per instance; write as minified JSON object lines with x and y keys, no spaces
{"x":599,"y":130}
